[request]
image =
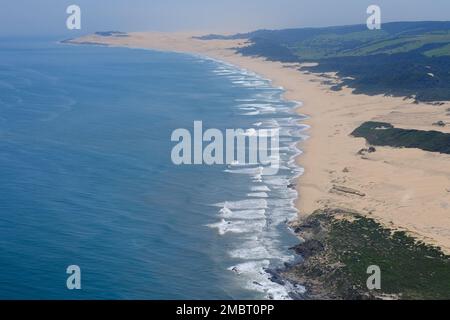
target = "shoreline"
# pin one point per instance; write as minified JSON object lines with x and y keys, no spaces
{"x":394,"y":181}
{"x":259,"y":267}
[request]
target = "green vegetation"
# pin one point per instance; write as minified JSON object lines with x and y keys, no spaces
{"x":384,"y":134}
{"x":439,"y":52}
{"x":396,"y":60}
{"x":351,"y":243}
{"x":409,"y":269}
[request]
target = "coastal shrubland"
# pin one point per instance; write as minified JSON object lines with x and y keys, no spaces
{"x":340,"y":245}
{"x":384,"y":134}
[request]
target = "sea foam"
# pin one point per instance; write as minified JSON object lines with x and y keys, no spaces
{"x":256,"y":220}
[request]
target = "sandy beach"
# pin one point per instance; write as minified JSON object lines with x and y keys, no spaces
{"x":406,"y":189}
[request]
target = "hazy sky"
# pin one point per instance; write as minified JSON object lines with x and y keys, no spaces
{"x":42,"y":17}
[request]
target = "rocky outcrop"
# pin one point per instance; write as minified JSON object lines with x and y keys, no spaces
{"x":439,"y":123}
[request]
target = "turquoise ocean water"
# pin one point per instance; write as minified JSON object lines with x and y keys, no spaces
{"x":86,"y":177}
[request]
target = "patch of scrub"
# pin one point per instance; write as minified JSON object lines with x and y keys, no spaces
{"x":384,"y":134}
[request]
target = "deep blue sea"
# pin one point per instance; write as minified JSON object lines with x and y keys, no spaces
{"x":86,"y":176}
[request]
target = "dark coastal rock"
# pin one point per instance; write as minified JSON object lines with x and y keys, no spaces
{"x":439,"y":123}
{"x":309,"y":248}
{"x":297,"y":230}
{"x":296,"y":296}
{"x":292,"y":186}
{"x":275,"y":277}
{"x":311,"y":226}
{"x":362,"y":152}
{"x":298,"y":292}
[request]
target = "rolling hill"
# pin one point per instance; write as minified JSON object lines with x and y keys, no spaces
{"x":409,"y":59}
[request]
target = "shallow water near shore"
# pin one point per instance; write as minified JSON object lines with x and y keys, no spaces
{"x":87,"y":177}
